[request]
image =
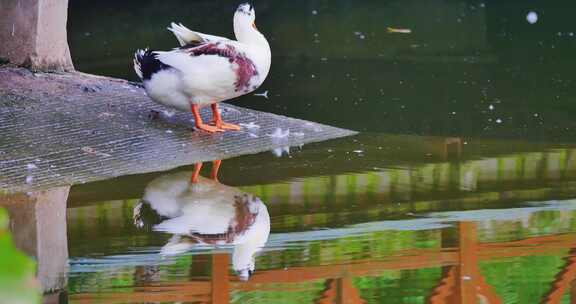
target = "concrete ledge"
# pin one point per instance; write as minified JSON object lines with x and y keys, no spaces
{"x":33,"y":34}
{"x":62,"y":129}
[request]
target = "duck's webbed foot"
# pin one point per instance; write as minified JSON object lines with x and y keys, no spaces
{"x":219,"y":123}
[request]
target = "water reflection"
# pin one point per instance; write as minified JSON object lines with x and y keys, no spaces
{"x":409,"y":234}
{"x":201,"y":211}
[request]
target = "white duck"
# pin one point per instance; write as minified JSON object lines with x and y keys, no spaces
{"x":198,"y":210}
{"x":207,"y":69}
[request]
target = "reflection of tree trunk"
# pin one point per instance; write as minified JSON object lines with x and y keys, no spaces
{"x":573,"y":292}
{"x":33,"y":33}
{"x":463,"y":283}
{"x":38,"y":225}
{"x":340,"y":291}
{"x":466,"y":276}
{"x":220,"y":278}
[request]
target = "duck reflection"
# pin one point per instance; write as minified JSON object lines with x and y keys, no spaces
{"x":202,"y":211}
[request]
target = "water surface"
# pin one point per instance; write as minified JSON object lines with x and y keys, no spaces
{"x":460,"y":188}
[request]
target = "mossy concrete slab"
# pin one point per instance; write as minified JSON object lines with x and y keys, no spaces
{"x":62,"y":129}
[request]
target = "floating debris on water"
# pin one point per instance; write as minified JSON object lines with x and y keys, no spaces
{"x":31,"y":166}
{"x":91,"y":150}
{"x":532,"y":17}
{"x":279,"y":152}
{"x":279,"y":133}
{"x":265,"y":94}
{"x":312,"y":126}
{"x":250,"y":126}
{"x":398,"y":30}
{"x":168,"y":113}
{"x":359,"y":35}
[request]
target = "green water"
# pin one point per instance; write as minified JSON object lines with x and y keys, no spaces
{"x":460,"y":188}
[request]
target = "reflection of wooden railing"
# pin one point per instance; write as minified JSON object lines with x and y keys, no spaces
{"x":462,"y":281}
{"x":420,"y":181}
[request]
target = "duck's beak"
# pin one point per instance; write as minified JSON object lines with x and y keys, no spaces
{"x":254,"y":25}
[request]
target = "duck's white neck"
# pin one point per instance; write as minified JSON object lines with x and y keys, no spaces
{"x":249,"y":35}
{"x":258,"y":44}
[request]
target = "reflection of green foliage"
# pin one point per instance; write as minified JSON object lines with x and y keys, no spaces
{"x":280,"y":293}
{"x":409,"y":286}
{"x":17,"y":271}
{"x":522,"y":279}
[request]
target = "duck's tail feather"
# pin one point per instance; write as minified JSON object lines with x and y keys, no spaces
{"x":184,"y":35}
{"x":146,"y":64}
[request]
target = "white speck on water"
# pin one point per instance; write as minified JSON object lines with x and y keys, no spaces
{"x":498,"y":120}
{"x":250,"y":126}
{"x":29,"y":179}
{"x":169,"y":131}
{"x":278,"y":152}
{"x":359,"y":35}
{"x":330,"y":150}
{"x":453,"y":113}
{"x":13,"y":29}
{"x":279,"y":133}
{"x":298,"y":134}
{"x":358,"y":151}
{"x":491,"y":107}
{"x":314,"y":127}
{"x":314,"y":12}
{"x":535,"y":114}
{"x":168,"y":113}
{"x":313,"y":76}
{"x":265,"y":94}
{"x":253,"y":135}
{"x":31,"y":166}
{"x":532,"y":17}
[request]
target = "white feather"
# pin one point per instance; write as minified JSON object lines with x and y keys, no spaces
{"x":137,"y":67}
{"x":186,"y":36}
{"x":205,"y":78}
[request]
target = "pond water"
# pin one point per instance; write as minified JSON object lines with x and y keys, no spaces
{"x":460,"y":187}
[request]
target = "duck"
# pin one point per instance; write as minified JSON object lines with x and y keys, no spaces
{"x":202,"y":211}
{"x":206,"y":69}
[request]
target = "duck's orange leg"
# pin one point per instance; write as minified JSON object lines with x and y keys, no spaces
{"x":219,"y":123}
{"x":195,"y":173}
{"x":200,"y":125}
{"x":215,"y":168}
